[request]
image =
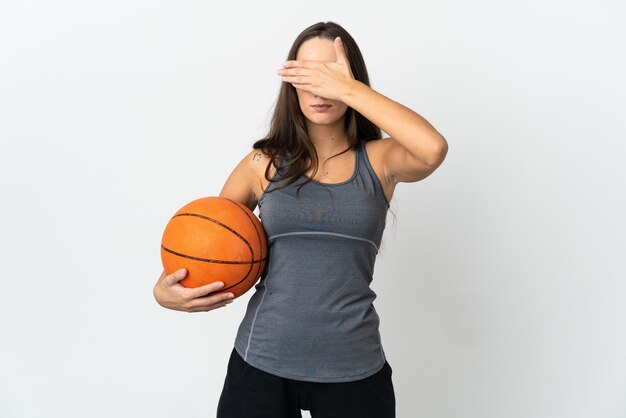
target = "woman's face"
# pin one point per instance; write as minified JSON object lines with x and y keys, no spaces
{"x":319,"y":49}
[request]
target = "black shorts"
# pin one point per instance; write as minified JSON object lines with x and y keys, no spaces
{"x":252,"y":393}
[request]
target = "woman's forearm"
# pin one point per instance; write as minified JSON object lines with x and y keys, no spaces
{"x":404,"y":125}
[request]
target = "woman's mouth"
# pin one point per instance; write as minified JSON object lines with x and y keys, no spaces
{"x":321,"y":108}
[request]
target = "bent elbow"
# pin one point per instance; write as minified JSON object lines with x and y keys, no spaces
{"x":439,"y":153}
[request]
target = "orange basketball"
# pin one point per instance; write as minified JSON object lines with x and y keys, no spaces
{"x":215,"y":239}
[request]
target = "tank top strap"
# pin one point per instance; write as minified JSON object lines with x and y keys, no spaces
{"x":361,"y":162}
{"x":281,"y":159}
{"x":280,"y":163}
{"x":359,"y":153}
{"x":367,"y":174}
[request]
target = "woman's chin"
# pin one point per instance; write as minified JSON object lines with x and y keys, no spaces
{"x":323,"y":118}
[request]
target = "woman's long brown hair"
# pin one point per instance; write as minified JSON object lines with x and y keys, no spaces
{"x":288,"y":138}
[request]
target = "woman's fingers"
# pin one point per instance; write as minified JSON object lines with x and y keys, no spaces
{"x":209,"y":308}
{"x":175,"y":277}
{"x":301,"y":63}
{"x":171,"y":294}
{"x":191,"y":292}
{"x":197,"y":292}
{"x":210,"y":302}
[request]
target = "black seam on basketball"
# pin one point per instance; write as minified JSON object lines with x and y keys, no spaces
{"x":210,"y":260}
{"x":240,"y":206}
{"x":240,"y":281}
{"x":215,"y":221}
{"x":258,"y":239}
{"x":218,"y":223}
{"x":254,"y":224}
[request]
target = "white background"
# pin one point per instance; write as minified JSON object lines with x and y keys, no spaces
{"x":501,"y":284}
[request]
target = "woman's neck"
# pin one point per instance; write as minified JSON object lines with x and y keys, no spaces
{"x":328,"y":139}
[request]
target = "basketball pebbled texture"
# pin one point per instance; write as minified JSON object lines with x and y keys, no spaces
{"x":215,"y":239}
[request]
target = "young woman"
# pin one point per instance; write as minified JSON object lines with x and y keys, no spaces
{"x":322,"y":178}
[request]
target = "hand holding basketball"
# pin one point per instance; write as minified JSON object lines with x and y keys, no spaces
{"x":170,"y":294}
{"x":214,"y":239}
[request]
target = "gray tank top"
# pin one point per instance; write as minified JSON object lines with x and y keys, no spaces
{"x":312,"y":314}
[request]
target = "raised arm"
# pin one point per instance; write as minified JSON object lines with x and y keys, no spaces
{"x":415,"y":148}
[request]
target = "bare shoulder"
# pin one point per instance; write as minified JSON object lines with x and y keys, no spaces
{"x":244,"y":181}
{"x":259,"y":160}
{"x":375,"y":147}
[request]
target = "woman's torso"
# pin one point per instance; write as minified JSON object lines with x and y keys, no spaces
{"x":312,"y":316}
